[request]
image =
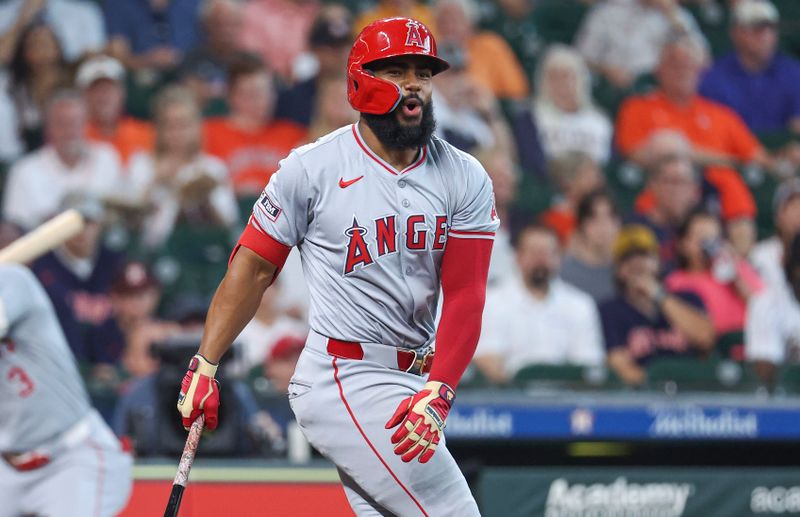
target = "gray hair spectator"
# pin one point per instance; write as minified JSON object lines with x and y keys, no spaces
{"x":39,"y":181}
{"x":565,"y":113}
{"x":537,"y":318}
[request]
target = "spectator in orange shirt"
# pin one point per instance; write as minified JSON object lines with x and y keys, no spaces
{"x":720,"y":139}
{"x":248,"y":140}
{"x":100,"y":78}
{"x":491,"y":62}
{"x":391,"y":8}
{"x":575,"y":174}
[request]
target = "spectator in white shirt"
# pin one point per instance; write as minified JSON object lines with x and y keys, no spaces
{"x":767,"y":255}
{"x":565,"y":113}
{"x":537,"y":319}
{"x":772,"y":330}
{"x":622,"y":39}
{"x":39,"y":181}
{"x":179,"y":181}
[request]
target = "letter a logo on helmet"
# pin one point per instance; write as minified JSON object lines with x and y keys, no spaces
{"x":384,"y":39}
{"x":414,"y":38}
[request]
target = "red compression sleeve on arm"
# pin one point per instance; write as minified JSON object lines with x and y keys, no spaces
{"x":259,"y":241}
{"x":465,"y":267}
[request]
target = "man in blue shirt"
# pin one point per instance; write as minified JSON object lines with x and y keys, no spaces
{"x":152,"y":34}
{"x":756,"y":80}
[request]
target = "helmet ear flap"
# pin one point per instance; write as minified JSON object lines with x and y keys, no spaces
{"x":370,"y":94}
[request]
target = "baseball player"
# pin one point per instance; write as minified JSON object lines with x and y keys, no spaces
{"x":58,"y":456}
{"x":383,"y":215}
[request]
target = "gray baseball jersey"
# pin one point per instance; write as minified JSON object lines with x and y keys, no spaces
{"x":371,"y":238}
{"x":41,"y":392}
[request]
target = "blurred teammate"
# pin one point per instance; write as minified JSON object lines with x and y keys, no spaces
{"x":383,"y":215}
{"x":58,"y":456}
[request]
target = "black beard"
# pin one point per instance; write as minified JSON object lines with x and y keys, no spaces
{"x":394,"y":135}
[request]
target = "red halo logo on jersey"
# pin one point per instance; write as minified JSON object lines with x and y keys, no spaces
{"x":415,"y":39}
{"x":357,"y":251}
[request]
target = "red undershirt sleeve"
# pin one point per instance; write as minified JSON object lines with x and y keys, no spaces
{"x":465,"y":268}
{"x":260,"y":242}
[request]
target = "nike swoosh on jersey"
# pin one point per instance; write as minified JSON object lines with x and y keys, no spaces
{"x":345,"y":184}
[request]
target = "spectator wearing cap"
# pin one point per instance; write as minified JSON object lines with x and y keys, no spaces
{"x":490,"y":61}
{"x":575,"y":174}
{"x":178,"y":180}
{"x":708,"y":267}
{"x":623,"y":39}
{"x":537,"y":318}
{"x":78,"y":25}
{"x":78,"y":277}
{"x":268,"y":327}
{"x":250,"y":140}
{"x":326,"y":60}
{"x":565,"y":113}
{"x":756,"y":80}
{"x":588,"y":261}
{"x":39,"y":181}
{"x":205,"y":68}
{"x":152,"y":34}
{"x":135,"y":295}
{"x":772,"y":333}
{"x":278,"y":30}
{"x":467,"y":113}
{"x":645,"y":320}
{"x":768,"y":255}
{"x":102,"y":80}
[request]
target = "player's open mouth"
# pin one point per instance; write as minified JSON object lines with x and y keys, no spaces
{"x":412,"y":108}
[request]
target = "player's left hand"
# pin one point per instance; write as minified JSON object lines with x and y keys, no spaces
{"x":422,"y":419}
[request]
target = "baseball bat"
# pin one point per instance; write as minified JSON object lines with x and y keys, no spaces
{"x":44,"y":238}
{"x":185,"y":465}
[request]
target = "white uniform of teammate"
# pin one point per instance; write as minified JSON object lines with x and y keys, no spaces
{"x":371,"y":241}
{"x":66,"y":461}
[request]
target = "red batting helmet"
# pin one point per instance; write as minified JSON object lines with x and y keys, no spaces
{"x":383,"y":39}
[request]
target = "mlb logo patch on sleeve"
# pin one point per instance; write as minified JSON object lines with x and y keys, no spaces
{"x":269,"y":207}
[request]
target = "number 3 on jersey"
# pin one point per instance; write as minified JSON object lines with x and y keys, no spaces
{"x":18,"y":376}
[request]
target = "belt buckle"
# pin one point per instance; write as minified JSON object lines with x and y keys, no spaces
{"x":418,"y":364}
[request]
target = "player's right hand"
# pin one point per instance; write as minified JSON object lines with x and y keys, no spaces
{"x":199,"y":393}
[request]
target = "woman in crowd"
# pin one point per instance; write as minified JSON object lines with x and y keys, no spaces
{"x":178,"y":181}
{"x":37,"y":69}
{"x":565,"y":113}
{"x":709,"y":268}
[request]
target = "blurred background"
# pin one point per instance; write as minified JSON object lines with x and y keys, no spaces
{"x":641,"y":337}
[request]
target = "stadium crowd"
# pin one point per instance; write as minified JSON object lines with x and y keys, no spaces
{"x":644,"y":156}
